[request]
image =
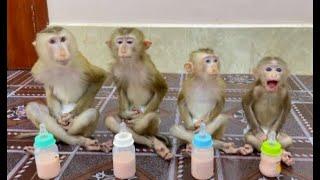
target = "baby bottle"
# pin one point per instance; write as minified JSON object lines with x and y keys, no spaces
{"x":46,"y":154}
{"x":270,"y":157}
{"x":124,"y":158}
{"x":202,"y":154}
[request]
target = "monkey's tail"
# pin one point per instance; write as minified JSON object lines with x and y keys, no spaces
{"x":164,"y":139}
{"x":26,"y":135}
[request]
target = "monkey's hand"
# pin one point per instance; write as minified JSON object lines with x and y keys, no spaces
{"x":65,"y":120}
{"x":261,"y":135}
{"x":130,"y":114}
{"x":91,"y":144}
{"x":197,"y":123}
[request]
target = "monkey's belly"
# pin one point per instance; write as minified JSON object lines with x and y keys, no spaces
{"x":198,"y":110}
{"x":68,"y":94}
{"x":138,"y":95}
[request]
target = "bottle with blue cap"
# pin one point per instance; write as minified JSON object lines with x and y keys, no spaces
{"x":202,"y":154}
{"x":46,"y":154}
{"x":123,"y":154}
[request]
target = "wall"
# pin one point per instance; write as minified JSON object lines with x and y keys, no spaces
{"x":285,"y":32}
{"x":181,"y":11}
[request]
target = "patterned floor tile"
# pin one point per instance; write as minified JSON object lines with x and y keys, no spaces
{"x":22,"y":78}
{"x":248,"y":169}
{"x":27,"y":170}
{"x":97,"y":165}
{"x":307,"y":81}
{"x":172,"y":79}
{"x":90,"y":166}
{"x":305,"y":113}
{"x":12,"y":160}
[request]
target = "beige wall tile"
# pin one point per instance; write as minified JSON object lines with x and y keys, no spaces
{"x":239,"y":48}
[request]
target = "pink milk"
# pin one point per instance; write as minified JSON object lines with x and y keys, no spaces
{"x":202,"y":164}
{"x":48,"y":165}
{"x":270,"y":166}
{"x":124,"y":164}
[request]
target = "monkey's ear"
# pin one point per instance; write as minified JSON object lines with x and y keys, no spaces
{"x":147,"y":44}
{"x":109,"y":43}
{"x":34,"y":43}
{"x":188,"y":67}
{"x":255,"y":72}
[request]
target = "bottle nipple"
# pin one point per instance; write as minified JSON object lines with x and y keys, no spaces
{"x":202,"y":132}
{"x":272,"y":138}
{"x":43,"y":130}
{"x":123,"y":127}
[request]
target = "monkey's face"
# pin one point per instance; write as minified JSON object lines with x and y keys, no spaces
{"x":272,"y":76}
{"x":58,"y":48}
{"x":203,"y":64}
{"x":126,"y":47}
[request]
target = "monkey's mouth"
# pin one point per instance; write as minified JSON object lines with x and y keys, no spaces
{"x":272,"y":85}
{"x":125,"y":57}
{"x":64,"y":62}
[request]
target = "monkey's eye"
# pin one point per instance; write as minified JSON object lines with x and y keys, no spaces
{"x":119,"y":41}
{"x":63,"y":39}
{"x":129,"y":41}
{"x":278,"y":69}
{"x":52,"y":41}
{"x":268,"y":69}
{"x":215,"y":60}
{"x":208,"y":61}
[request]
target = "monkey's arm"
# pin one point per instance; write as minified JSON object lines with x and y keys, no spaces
{"x":283,"y":115}
{"x":247,"y":101}
{"x":97,"y":78}
{"x":53,"y":103}
{"x":184,"y":112}
{"x":160,"y":88}
{"x":216,"y":110}
{"x":124,"y":105}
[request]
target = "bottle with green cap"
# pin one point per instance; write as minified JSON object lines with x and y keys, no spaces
{"x":46,"y":154}
{"x":270,"y":162}
{"x":202,"y":154}
{"x":123,"y":154}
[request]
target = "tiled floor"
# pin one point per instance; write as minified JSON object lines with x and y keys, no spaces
{"x":78,"y":163}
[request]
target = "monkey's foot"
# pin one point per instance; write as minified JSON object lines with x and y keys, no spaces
{"x":246,"y":149}
{"x":29,"y":149}
{"x":286,"y":158}
{"x":161,"y":149}
{"x":187,"y":151}
{"x":106,"y":146}
{"x":230,"y":148}
{"x":92,"y":145}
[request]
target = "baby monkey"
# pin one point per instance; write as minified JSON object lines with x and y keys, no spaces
{"x":267,"y":105}
{"x":202,"y":99}
{"x":141,"y":89}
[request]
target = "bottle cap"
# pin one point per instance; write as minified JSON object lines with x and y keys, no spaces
{"x":271,"y":147}
{"x":202,"y":139}
{"x":44,"y":139}
{"x":123,"y":138}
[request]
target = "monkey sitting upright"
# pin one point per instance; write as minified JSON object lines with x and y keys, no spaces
{"x":267,"y":105}
{"x":141,"y":89}
{"x":70,"y":83}
{"x":202,"y":99}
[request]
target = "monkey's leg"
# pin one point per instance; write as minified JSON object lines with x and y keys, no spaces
{"x":181,"y":133}
{"x":38,"y":113}
{"x":85,"y":123}
{"x":215,"y":125}
{"x":113,"y":124}
{"x":149,"y":124}
{"x":251,"y":139}
{"x":285,"y":142}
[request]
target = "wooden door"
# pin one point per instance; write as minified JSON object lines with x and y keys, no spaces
{"x":24,"y":19}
